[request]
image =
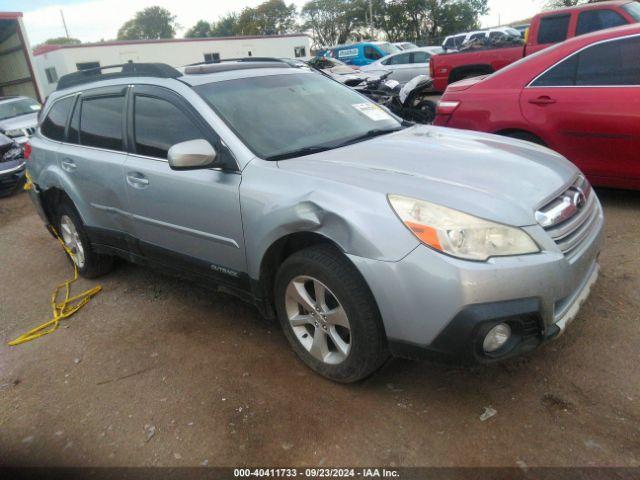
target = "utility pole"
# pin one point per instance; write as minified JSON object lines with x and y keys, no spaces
{"x":371,"y":17}
{"x":66,"y":31}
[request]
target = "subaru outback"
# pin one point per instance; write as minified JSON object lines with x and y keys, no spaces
{"x":365,"y":236}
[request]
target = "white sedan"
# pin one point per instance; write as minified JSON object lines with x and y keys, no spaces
{"x":404,"y":65}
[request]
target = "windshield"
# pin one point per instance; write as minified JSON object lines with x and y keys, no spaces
{"x":294,"y":114}
{"x":387,"y":48}
{"x":20,"y":106}
{"x":633,"y":9}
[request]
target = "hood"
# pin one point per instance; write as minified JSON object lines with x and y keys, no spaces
{"x":492,"y":177}
{"x":30,"y":120}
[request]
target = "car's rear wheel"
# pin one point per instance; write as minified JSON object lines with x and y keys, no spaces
{"x":329,"y":315}
{"x":72,"y":232}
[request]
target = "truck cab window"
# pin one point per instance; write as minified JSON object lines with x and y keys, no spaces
{"x":553,"y":29}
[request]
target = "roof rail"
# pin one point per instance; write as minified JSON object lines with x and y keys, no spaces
{"x":228,"y":66}
{"x":239,"y":59}
{"x":130,"y":69}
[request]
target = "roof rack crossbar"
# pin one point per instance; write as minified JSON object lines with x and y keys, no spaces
{"x":130,"y":69}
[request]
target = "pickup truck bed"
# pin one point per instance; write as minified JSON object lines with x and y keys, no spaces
{"x":547,"y":28}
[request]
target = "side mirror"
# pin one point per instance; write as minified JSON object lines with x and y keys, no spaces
{"x":193,"y":154}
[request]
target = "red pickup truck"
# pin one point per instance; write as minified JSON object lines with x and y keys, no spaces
{"x":546,"y":29}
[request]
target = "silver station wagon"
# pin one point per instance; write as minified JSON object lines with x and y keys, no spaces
{"x":365,"y":236}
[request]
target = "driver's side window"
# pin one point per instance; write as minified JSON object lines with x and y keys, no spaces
{"x":158,"y":125}
{"x":371,"y":53}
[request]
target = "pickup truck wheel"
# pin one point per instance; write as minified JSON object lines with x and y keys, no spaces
{"x":329,"y":316}
{"x":71,"y":230}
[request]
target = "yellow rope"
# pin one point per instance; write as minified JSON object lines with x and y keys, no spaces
{"x":66,"y":307}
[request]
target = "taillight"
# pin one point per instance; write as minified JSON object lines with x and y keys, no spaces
{"x":447,"y":108}
{"x":26,"y":151}
{"x":432,"y":71}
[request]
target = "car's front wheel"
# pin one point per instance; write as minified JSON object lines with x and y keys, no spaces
{"x":329,"y":315}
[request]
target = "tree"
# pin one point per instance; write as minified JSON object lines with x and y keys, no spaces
{"x":334,"y":22}
{"x":149,"y":24}
{"x":62,"y":41}
{"x":226,"y":26}
{"x":563,"y":3}
{"x":551,"y":4}
{"x":426,"y":20}
{"x":201,"y":29}
{"x":272,"y":17}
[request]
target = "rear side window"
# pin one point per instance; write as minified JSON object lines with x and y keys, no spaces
{"x":420,"y":57}
{"x":605,"y":64}
{"x":158,"y":125}
{"x":398,"y":59}
{"x":594,"y":20}
{"x":54,"y":123}
{"x":101,"y":122}
{"x":562,"y":75}
{"x":553,"y":29}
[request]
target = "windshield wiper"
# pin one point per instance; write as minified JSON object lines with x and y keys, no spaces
{"x":301,"y":152}
{"x":376,"y":132}
{"x":323,"y":148}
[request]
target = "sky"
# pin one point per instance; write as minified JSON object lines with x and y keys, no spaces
{"x":93,"y":20}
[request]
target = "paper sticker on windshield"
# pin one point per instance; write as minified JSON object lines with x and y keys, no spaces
{"x":372,"y":111}
{"x":34,"y":107}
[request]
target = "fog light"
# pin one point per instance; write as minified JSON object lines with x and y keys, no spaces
{"x":496,"y":338}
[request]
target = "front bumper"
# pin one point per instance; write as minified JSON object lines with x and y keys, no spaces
{"x":11,"y":177}
{"x":433,"y":304}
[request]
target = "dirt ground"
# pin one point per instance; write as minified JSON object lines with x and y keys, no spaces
{"x":155,"y":371}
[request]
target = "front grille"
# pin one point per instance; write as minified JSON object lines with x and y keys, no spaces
{"x":570,"y":218}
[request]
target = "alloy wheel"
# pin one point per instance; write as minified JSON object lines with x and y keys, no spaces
{"x":318,"y":320}
{"x":71,"y":239}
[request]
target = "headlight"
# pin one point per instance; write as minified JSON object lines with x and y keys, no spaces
{"x":459,"y":234}
{"x":16,"y":132}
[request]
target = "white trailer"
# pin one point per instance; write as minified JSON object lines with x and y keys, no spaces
{"x":53,"y":61}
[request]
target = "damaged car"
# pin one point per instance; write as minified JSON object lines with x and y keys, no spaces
{"x":366,"y":236}
{"x":12,"y":169}
{"x":18,"y":117}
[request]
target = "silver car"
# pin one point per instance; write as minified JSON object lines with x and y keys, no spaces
{"x":404,"y":65}
{"x":365,"y":236}
{"x":18,"y":117}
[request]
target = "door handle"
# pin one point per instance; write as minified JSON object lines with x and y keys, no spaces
{"x":68,"y":165}
{"x":137,"y":180}
{"x":544,"y":100}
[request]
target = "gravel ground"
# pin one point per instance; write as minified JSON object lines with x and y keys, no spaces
{"x":155,"y":371}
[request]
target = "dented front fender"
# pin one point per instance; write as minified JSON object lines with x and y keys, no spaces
{"x":277,"y":202}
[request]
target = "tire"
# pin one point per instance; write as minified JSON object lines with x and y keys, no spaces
{"x":352,"y":353}
{"x":424,"y":113}
{"x":90,"y":264}
{"x":527,"y":137}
